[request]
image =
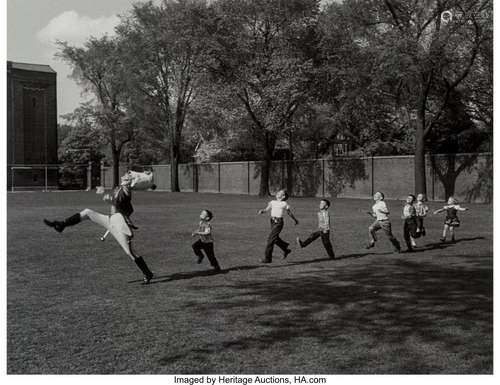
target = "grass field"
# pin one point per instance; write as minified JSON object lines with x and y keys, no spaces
{"x":76,"y":305}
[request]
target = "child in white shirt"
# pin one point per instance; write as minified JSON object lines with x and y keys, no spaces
{"x":381,"y":214}
{"x":277,"y":207}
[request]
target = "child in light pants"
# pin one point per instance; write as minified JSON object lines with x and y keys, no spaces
{"x":381,"y":214}
{"x":410,"y":222}
{"x":116,"y":224}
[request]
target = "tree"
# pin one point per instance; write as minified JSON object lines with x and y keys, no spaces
{"x":163,"y":54}
{"x":256,"y":49}
{"x":97,"y":66}
{"x":455,"y":132}
{"x":424,"y":51}
{"x":81,"y":142}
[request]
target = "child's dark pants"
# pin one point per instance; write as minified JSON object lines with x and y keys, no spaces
{"x":274,"y":238}
{"x":409,"y":230}
{"x":208,"y":247}
{"x":325,"y":238}
{"x":420,"y":227}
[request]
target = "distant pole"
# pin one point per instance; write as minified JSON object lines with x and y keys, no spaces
{"x":46,"y":182}
{"x":89,"y":176}
{"x":373,"y":177}
{"x":102,"y":174}
{"x":12,"y":177}
{"x":433,"y":176}
{"x":323,"y":172}
{"x":218,"y":168}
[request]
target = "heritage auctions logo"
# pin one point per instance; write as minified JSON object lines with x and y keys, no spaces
{"x":245,"y":380}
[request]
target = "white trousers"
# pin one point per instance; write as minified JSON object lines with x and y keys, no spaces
{"x":116,"y":225}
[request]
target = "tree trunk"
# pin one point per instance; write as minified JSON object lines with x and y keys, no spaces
{"x":174,"y":165}
{"x":266,"y":165}
{"x":116,"y":167}
{"x":289,"y":165}
{"x":420,"y":182}
{"x":264,"y":177}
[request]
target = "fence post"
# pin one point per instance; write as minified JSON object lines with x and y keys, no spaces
{"x":283,"y":175}
{"x":373,"y":178}
{"x":218,"y":172}
{"x":248,"y":177}
{"x":12,"y":179}
{"x":195,"y":177}
{"x":89,"y":176}
{"x":103,"y":181}
{"x":46,"y":182}
{"x":433,"y":176}
{"x":323,"y":171}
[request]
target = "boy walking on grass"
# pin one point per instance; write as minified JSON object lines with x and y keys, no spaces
{"x":277,"y":207}
{"x":410,"y":223}
{"x":421,"y":209}
{"x":381,"y":214}
{"x":206,"y":241}
{"x":323,"y":229}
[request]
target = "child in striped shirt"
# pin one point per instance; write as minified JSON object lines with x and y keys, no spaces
{"x":206,"y":241}
{"x":410,"y":222}
{"x":421,"y":210}
{"x":323,"y":229}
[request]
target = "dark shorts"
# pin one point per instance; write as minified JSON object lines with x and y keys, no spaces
{"x":452,"y":222}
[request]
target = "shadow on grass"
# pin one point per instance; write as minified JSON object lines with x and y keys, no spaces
{"x":444,"y":245}
{"x":399,"y":316}
{"x":181,"y":276}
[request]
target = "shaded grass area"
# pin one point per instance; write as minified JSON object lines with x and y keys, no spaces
{"x":75,"y":304}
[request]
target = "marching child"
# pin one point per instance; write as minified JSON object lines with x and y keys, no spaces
{"x":323,"y":229}
{"x":278,"y":207}
{"x":381,"y":214}
{"x":118,"y":223}
{"x":206,"y":241}
{"x":451,"y":220}
{"x":410,"y":222}
{"x":421,"y":209}
{"x":121,"y":200}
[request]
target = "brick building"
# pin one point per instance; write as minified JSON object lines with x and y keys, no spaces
{"x":31,"y":125}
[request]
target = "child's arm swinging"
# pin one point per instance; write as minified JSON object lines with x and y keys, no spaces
{"x":290,"y":214}
{"x":266,"y":209}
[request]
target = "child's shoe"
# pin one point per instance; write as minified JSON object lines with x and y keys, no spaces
{"x":443,"y":239}
{"x":200,"y":260}
{"x":299,"y":242}
{"x":286,"y":252}
{"x":370,"y":245}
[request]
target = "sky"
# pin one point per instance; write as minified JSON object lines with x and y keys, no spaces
{"x":34,"y":25}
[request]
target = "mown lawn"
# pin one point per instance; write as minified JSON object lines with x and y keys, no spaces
{"x":76,"y":305}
